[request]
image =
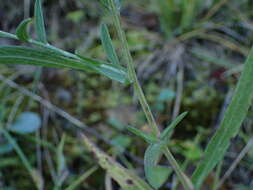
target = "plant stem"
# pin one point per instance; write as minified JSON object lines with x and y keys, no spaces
{"x":131,"y":70}
{"x":81,"y":179}
{"x":182,"y":177}
{"x":133,"y":77}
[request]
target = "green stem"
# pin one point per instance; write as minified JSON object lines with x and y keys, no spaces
{"x":131,"y":71}
{"x":182,"y":177}
{"x":133,"y":77}
{"x":81,"y":179}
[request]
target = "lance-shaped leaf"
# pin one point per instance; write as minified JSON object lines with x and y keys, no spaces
{"x":155,"y":174}
{"x":61,"y":162}
{"x":114,"y":72}
{"x":168,"y":131}
{"x":124,"y":177}
{"x":108,"y":45}
{"x":21,"y":31}
{"x":230,"y":125}
{"x":39,"y":22}
{"x":148,"y":138}
{"x":7,"y":35}
{"x":47,"y":58}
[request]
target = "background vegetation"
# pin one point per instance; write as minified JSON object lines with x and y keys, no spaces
{"x":188,"y":56}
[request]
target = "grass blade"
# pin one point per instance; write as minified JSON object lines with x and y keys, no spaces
{"x":210,"y":57}
{"x":189,"y":8}
{"x":167,"y":16}
{"x":81,"y":179}
{"x":21,"y":31}
{"x":126,"y":179}
{"x":61,"y":165}
{"x":108,"y":45}
{"x":39,"y":22}
{"x":230,"y":125}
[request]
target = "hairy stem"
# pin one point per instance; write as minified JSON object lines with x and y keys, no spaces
{"x":133,"y":77}
{"x":182,"y":177}
{"x":131,"y":70}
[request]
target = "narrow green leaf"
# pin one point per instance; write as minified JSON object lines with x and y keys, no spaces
{"x":114,"y":72}
{"x":21,"y":31}
{"x":230,"y":125}
{"x":39,"y":22}
{"x":7,"y":35}
{"x":189,"y":8}
{"x":47,"y":58}
{"x":167,"y":10}
{"x":211,"y":57}
{"x":124,"y":177}
{"x":166,"y":133}
{"x":108,"y":45}
{"x":74,"y":185}
{"x":31,"y":56}
{"x":148,"y":138}
{"x":155,"y":174}
{"x":61,"y":165}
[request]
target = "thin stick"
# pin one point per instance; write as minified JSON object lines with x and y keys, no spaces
{"x":182,"y":177}
{"x":245,"y":150}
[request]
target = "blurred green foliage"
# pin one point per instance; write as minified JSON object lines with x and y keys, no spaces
{"x":205,"y":85}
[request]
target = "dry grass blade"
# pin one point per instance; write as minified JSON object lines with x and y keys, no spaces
{"x":125,"y":178}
